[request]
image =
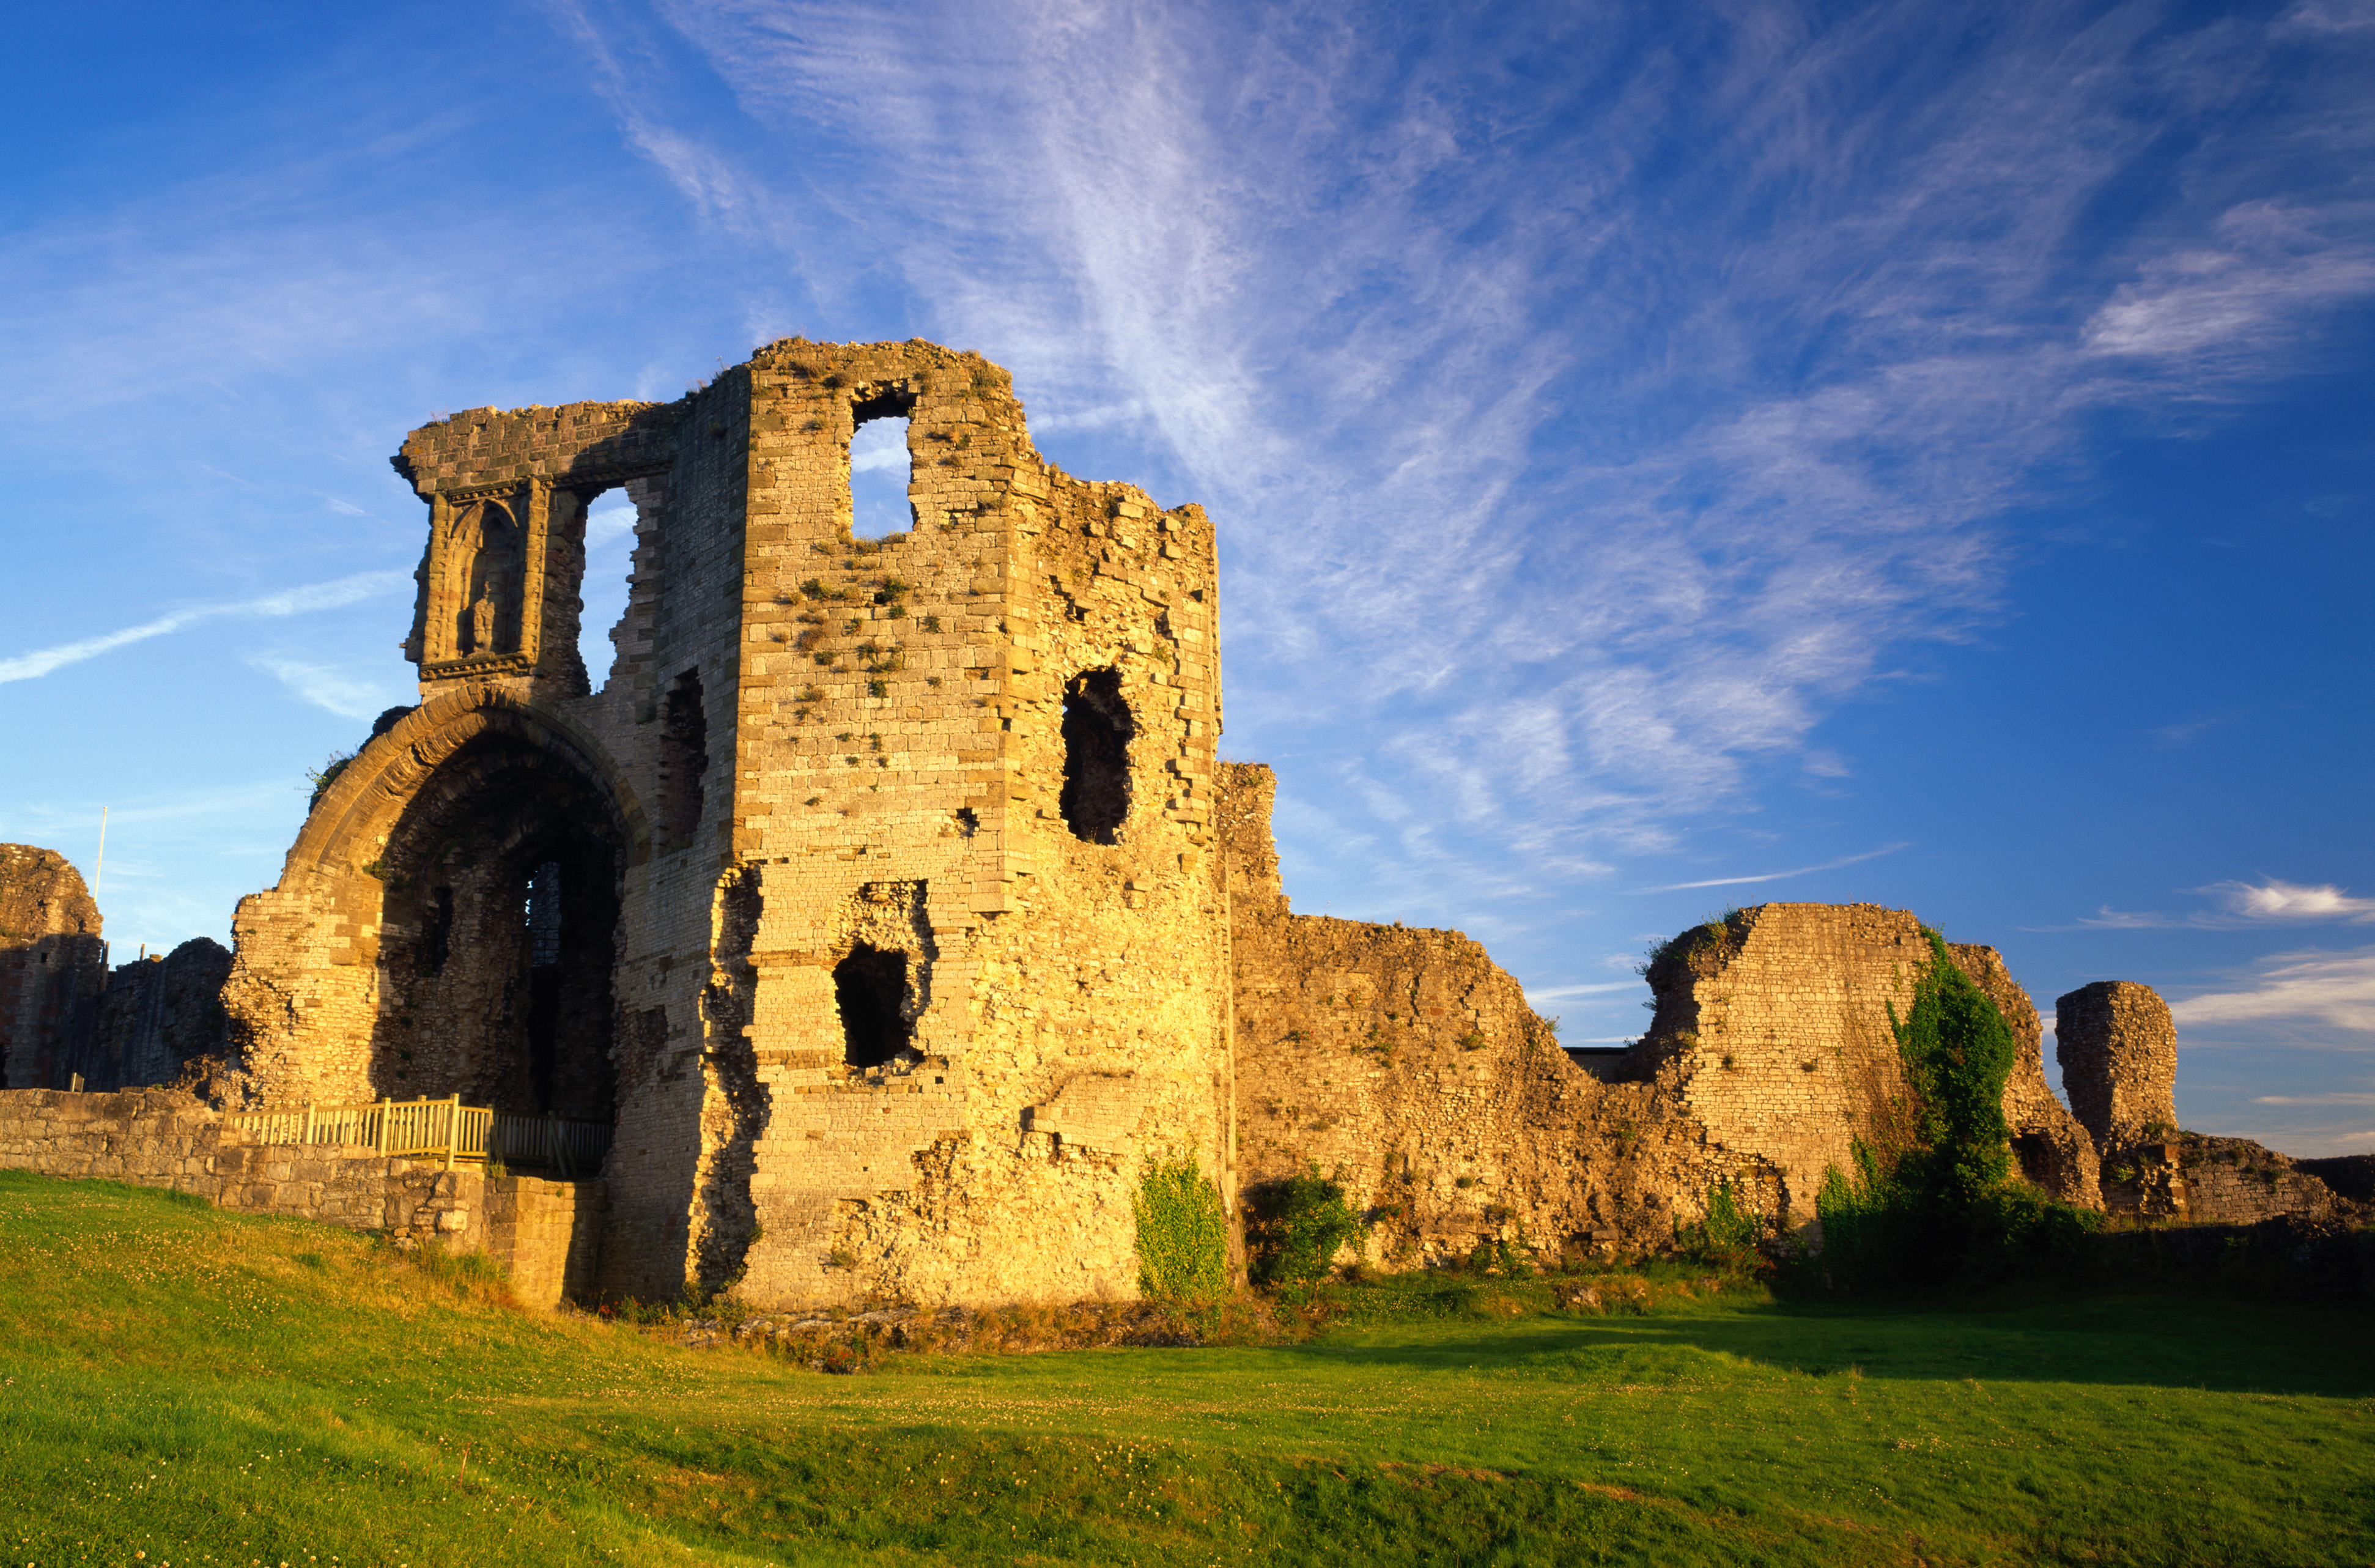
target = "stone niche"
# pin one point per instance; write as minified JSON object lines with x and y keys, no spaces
{"x":869,"y":893}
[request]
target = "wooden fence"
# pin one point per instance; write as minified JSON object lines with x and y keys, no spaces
{"x":441,"y":1128}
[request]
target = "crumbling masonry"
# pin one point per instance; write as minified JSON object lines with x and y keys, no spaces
{"x":869,"y":891}
{"x":887,"y":901}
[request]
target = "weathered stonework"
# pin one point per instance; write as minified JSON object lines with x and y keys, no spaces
{"x":2117,"y":1046}
{"x":1773,"y":1027}
{"x":887,"y":901}
{"x":53,"y":967}
{"x":870,"y":896}
{"x":2192,"y":1179}
{"x":1406,"y":1063}
{"x":159,"y":1016}
{"x":543,"y":1234}
{"x":2050,"y":1150}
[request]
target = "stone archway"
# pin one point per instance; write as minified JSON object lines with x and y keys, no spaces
{"x":448,"y":922}
{"x":498,"y":935}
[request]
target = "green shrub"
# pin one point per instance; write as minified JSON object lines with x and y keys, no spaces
{"x":1945,"y":1203}
{"x":1182,"y":1235}
{"x":1294,"y":1227}
{"x":319,"y":780}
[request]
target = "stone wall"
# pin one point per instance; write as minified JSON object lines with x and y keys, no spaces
{"x":53,"y":967}
{"x":159,"y":1016}
{"x":543,"y":1234}
{"x":948,"y":791}
{"x":2191,"y":1178}
{"x":2051,"y":1151}
{"x":1407,"y":1064}
{"x":2117,"y":1046}
{"x":1773,"y":1027}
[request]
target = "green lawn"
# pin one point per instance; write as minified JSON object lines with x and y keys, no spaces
{"x":205,"y":1387}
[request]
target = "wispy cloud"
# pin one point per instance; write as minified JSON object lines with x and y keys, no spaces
{"x":1562,"y":992}
{"x":2336,"y":990}
{"x":1324,"y":259}
{"x":287,"y":602}
{"x":2269,"y":902}
{"x":341,"y":691}
{"x":2336,"y":1099}
{"x":1777,"y":875}
{"x":2275,"y":900}
{"x":2273,"y":272}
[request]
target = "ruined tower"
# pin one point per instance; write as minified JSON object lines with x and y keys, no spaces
{"x":867,"y":894}
{"x":2117,"y":1046}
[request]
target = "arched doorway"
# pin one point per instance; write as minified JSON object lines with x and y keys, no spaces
{"x":500,"y":934}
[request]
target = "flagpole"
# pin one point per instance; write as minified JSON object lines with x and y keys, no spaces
{"x":99,"y":870}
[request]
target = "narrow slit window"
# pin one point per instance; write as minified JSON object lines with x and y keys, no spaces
{"x":1097,"y":730}
{"x":437,"y":941}
{"x":684,"y":759}
{"x":879,"y":474}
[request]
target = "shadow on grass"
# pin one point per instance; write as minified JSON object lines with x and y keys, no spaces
{"x":2170,"y":1341}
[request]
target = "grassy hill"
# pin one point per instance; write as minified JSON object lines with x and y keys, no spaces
{"x":183,"y":1385}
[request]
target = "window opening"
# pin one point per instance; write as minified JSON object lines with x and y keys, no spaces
{"x":439,"y":941}
{"x":544,"y":915}
{"x":870,"y":984}
{"x":610,"y":562}
{"x":543,"y":920}
{"x":879,"y":474}
{"x":1097,"y":730}
{"x":684,"y":758}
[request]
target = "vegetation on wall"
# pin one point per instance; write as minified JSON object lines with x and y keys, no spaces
{"x":1936,"y":1196}
{"x":1727,"y":1237}
{"x":1295,"y":1227}
{"x":1182,"y":1235}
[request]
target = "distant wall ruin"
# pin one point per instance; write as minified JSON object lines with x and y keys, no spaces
{"x":161,"y":1017}
{"x":53,"y":967}
{"x":1407,"y":1060}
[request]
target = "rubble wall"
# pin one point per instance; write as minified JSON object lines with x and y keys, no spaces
{"x":543,"y":1234}
{"x":160,"y":1015}
{"x":53,"y":967}
{"x":1407,"y":1064}
{"x":2191,"y":1178}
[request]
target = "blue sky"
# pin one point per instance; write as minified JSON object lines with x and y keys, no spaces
{"x":1664,"y":457}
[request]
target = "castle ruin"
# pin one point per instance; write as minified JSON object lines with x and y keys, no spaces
{"x":887,"y":902}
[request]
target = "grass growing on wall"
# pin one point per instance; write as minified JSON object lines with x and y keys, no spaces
{"x":1944,"y":1201}
{"x":1183,"y":1234}
{"x":202,"y":1386}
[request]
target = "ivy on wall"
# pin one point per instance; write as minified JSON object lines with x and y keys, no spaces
{"x":1941,"y":1202}
{"x":1182,"y":1235}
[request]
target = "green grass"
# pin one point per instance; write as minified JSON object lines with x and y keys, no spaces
{"x":210,"y":1388}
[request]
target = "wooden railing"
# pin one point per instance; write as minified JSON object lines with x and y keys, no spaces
{"x":439,"y":1128}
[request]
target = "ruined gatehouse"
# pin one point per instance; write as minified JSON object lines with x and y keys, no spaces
{"x":869,"y":892}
